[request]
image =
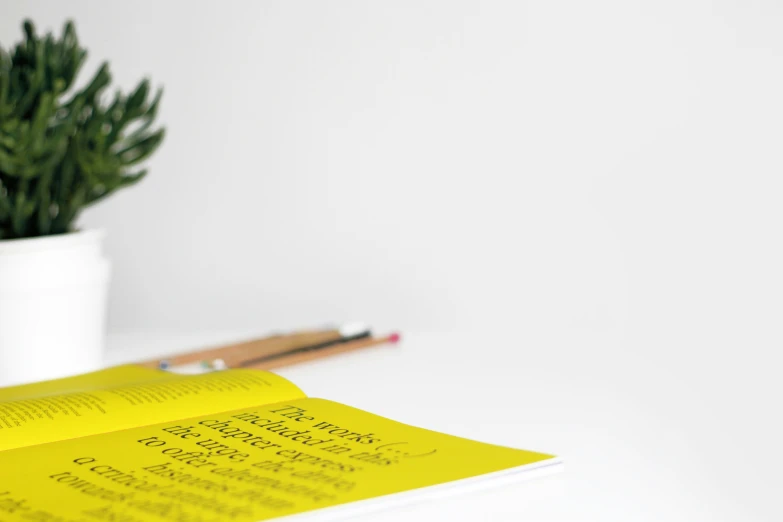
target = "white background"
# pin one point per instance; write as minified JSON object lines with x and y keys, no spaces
{"x":598,"y":183}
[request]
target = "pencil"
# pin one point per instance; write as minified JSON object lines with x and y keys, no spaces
{"x":299,"y":356}
{"x":232,"y":355}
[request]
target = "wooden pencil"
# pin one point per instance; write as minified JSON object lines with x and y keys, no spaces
{"x":288,"y":359}
{"x":233,"y":354}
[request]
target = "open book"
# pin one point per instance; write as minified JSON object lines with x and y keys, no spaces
{"x":130,"y":444}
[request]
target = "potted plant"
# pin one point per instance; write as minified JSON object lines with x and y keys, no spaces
{"x":61,"y":150}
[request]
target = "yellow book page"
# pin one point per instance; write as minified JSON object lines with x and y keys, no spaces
{"x":110,"y":377}
{"x":246,"y":465}
{"x":99,"y":407}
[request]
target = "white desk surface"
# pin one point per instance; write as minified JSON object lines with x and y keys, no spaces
{"x":659,"y":436}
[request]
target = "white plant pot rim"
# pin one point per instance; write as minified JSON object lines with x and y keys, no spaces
{"x":53,"y":262}
{"x":29,"y":245}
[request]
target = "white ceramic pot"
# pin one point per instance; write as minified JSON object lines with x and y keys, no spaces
{"x":53,"y":298}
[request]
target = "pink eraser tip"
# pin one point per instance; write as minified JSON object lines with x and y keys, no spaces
{"x":394,"y":338}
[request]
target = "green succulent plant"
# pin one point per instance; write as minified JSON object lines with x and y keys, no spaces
{"x":63,"y":149}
